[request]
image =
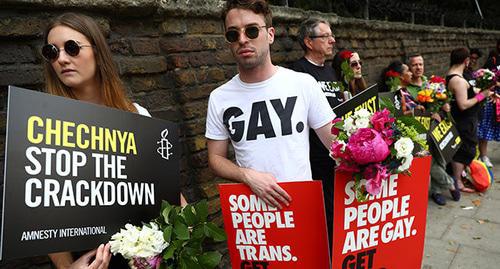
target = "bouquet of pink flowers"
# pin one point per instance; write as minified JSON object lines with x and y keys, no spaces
{"x":372,"y":147}
{"x":484,"y":78}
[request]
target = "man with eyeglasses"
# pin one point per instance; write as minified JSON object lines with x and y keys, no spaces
{"x":317,"y":41}
{"x":418,"y":80}
{"x":265,"y":111}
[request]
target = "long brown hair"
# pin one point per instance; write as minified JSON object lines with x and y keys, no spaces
{"x":111,"y":87}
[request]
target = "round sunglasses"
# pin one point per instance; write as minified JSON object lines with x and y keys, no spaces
{"x":356,"y":63}
{"x":50,"y":52}
{"x":252,"y":32}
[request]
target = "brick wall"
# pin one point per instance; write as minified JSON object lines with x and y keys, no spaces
{"x":172,"y":54}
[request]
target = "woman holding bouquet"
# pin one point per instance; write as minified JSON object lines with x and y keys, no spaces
{"x":347,"y":66}
{"x":78,"y":64}
{"x":464,"y":108}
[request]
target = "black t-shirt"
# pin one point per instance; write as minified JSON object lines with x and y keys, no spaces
{"x":319,"y":155}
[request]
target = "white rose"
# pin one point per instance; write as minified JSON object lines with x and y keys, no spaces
{"x":405,"y":165}
{"x":362,"y":123}
{"x":362,"y":113}
{"x":138,"y":242}
{"x":349,"y":126}
{"x":404,"y":147}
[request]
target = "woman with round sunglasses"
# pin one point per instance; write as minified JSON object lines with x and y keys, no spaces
{"x":347,"y":66}
{"x":79,"y":65}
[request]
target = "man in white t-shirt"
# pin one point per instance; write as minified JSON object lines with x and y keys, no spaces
{"x":265,"y":110}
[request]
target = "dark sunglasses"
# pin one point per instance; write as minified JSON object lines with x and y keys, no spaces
{"x":50,"y":52}
{"x":252,"y":32}
{"x":356,"y":63}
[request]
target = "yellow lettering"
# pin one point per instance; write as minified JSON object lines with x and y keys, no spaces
{"x":80,"y":142}
{"x":31,"y":129}
{"x":131,"y":144}
{"x":122,"y":138}
{"x":66,"y":133}
{"x":110,"y":140}
{"x":53,"y":131}
{"x":97,"y":138}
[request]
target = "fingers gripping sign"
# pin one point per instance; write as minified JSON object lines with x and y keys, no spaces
{"x":266,"y":187}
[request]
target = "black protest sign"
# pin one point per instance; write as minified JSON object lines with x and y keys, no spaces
{"x":392,"y":99}
{"x":76,"y":172}
{"x":424,"y":117}
{"x":446,"y":139}
{"x":366,"y":99}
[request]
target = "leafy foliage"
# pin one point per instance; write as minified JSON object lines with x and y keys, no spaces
{"x":186,"y":229}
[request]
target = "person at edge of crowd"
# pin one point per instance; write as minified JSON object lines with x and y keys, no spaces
{"x":397,"y":67}
{"x":317,"y":41}
{"x":417,"y":69}
{"x":489,"y":127}
{"x":265,"y":111}
{"x":356,"y":83}
{"x":465,"y":107}
{"x":78,"y":64}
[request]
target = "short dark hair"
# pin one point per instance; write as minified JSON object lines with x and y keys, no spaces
{"x":458,"y":56}
{"x":307,"y":29}
{"x":414,"y":55}
{"x":257,"y":6}
{"x":476,"y":51}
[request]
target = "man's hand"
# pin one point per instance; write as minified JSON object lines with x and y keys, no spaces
{"x":266,"y":187}
{"x":436,"y":117}
{"x":101,"y":261}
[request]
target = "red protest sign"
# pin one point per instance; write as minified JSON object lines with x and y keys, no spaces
{"x":387,"y":231}
{"x":261,"y":236}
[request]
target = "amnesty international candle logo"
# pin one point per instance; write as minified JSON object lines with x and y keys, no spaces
{"x":165,"y":146}
{"x":77,"y":172}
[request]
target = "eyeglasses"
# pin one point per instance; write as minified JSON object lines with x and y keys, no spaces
{"x":323,"y":37}
{"x":251,"y":32}
{"x":50,"y":52}
{"x":356,"y":63}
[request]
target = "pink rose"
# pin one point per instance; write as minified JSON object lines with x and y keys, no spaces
{"x":147,"y":263}
{"x":387,"y":136}
{"x":374,"y":174}
{"x":348,"y":167}
{"x":367,"y":146}
{"x":381,"y":120}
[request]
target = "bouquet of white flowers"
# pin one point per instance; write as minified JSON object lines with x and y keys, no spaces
{"x":172,"y":240}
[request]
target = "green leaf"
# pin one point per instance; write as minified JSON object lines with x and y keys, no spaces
{"x":198,"y":232}
{"x":385,"y":102}
{"x":167,"y":233}
{"x":201,"y":210}
{"x":214,"y":232}
{"x":165,"y":212}
{"x":189,"y":262}
{"x":181,"y":230}
{"x":189,"y":215}
{"x":168,"y":253}
{"x":210,"y":259}
{"x":411,"y":121}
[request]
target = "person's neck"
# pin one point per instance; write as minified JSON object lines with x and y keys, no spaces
{"x":315,"y":58}
{"x":258,"y":73}
{"x":89,"y":93}
{"x":417,"y":81}
{"x":456,"y":69}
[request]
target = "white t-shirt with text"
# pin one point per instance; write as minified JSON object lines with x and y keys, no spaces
{"x":268,"y":122}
